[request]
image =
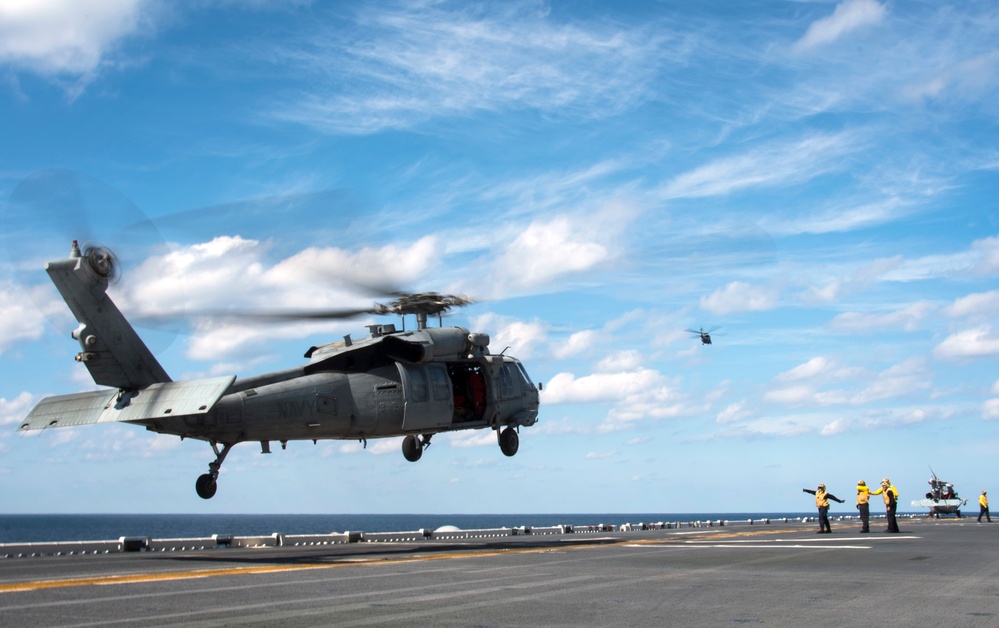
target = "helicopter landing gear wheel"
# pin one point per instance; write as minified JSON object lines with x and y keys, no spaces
{"x":509,"y":442}
{"x":206,"y":486}
{"x":207,"y":483}
{"x":412,"y":448}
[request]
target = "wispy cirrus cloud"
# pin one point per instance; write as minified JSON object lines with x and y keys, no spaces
{"x":739,"y":296}
{"x":908,"y":318}
{"x":847,"y":17}
{"x":410,"y":63}
{"x":779,"y":163}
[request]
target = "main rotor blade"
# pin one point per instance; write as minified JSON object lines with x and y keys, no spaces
{"x":283,"y":315}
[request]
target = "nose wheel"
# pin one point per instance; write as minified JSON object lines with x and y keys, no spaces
{"x":509,"y":441}
{"x":207,"y":483}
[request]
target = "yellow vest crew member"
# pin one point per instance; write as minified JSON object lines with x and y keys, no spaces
{"x":822,"y":503}
{"x":863,"y":505}
{"x":890,"y":494}
{"x":983,"y":501}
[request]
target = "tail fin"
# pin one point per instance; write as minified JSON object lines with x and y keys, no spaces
{"x":111,"y":350}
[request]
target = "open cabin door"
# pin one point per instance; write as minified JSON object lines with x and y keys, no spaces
{"x":428,"y":401}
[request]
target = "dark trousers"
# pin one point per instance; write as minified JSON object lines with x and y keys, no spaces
{"x":824,"y":519}
{"x":892,"y":523}
{"x":865,"y":517}
{"x":984,"y":511}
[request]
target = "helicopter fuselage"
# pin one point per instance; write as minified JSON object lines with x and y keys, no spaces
{"x":389,"y":400}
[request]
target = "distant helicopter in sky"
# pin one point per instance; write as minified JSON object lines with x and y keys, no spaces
{"x":412,"y":384}
{"x":705,"y":336}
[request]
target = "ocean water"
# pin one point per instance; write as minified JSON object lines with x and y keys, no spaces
{"x":97,"y":527}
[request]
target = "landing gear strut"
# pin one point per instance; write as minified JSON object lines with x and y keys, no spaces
{"x":509,"y":442}
{"x":413,"y":446}
{"x":207,"y":483}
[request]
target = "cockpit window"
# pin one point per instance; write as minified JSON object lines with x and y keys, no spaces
{"x":509,"y":381}
{"x":523,"y":374}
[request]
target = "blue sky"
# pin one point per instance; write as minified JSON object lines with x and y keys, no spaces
{"x":819,"y":179}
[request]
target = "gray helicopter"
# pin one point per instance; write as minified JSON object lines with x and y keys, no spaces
{"x":704,"y":336}
{"x":391,"y":383}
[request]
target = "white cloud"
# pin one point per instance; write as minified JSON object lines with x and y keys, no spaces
{"x":733,"y":412}
{"x":851,"y":282}
{"x":980,"y":260}
{"x":791,"y":395}
{"x":823,"y":294}
{"x":15,"y":410}
{"x":847,"y":17}
{"x":365,"y":267}
{"x":908,"y":318}
{"x":523,"y":338}
{"x":900,"y":416}
{"x":814,"y":367}
{"x":781,"y":427}
{"x":19,"y":312}
{"x":827,"y":424}
{"x":833,"y":427}
{"x":546,"y":251}
{"x":976,"y":305}
{"x":739,"y":296}
{"x":576,"y":344}
{"x":627,"y":360}
{"x":215,"y":273}
{"x":979,"y":342}
{"x":471,"y":438}
{"x":565,"y":425}
{"x":896,"y":381}
{"x":990,"y":410}
{"x":231,"y":273}
{"x":567,"y":388}
{"x":377,"y":447}
{"x":634,"y":396}
{"x":59,"y":38}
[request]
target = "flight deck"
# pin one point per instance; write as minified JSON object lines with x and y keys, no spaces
{"x":936,"y":571}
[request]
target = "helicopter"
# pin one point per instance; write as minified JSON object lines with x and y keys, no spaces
{"x":705,"y":336}
{"x":391,"y":383}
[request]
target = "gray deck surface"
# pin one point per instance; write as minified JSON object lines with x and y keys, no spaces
{"x":936,"y":572}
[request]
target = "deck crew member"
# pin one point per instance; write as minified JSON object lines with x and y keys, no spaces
{"x":822,"y":503}
{"x":863,"y":505}
{"x":983,"y":501}
{"x":890,"y":494}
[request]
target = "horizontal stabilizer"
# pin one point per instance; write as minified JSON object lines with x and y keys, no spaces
{"x":156,"y":401}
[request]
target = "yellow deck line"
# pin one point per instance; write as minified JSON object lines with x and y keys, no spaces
{"x":148,"y":577}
